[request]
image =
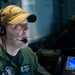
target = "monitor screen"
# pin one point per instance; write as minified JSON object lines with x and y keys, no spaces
{"x":70,"y":65}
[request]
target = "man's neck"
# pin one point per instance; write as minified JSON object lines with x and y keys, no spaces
{"x":10,"y":49}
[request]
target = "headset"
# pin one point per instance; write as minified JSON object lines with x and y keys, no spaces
{"x":2,"y":30}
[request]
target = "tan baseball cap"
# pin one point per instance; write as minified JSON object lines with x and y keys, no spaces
{"x":13,"y":14}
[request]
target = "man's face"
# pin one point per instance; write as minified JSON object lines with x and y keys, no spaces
{"x":18,"y":32}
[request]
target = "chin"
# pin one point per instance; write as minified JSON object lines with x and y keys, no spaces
{"x":24,"y":45}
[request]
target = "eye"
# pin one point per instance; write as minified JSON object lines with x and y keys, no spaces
{"x":18,"y":25}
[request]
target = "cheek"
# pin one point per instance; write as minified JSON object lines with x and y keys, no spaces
{"x":13,"y":33}
{"x":16,"y":34}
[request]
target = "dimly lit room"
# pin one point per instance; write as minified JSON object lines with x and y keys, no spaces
{"x":37,"y":37}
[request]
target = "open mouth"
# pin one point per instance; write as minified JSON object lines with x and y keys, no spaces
{"x":24,"y":38}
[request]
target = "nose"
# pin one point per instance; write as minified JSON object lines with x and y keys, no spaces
{"x":25,"y":28}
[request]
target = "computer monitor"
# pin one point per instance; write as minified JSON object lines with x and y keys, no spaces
{"x":70,"y":65}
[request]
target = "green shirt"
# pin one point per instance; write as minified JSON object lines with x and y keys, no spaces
{"x":28,"y":64}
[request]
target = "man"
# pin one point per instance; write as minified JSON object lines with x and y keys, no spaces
{"x":15,"y":57}
{"x":66,"y":39}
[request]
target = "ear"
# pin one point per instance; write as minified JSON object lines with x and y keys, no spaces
{"x":2,"y":30}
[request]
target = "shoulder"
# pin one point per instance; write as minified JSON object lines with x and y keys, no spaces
{"x":29,"y":52}
{"x":64,"y":35}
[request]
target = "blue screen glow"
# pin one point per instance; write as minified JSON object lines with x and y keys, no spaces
{"x":71,"y":63}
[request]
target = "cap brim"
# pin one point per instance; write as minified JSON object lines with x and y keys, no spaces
{"x":32,"y":18}
{"x":20,"y":18}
